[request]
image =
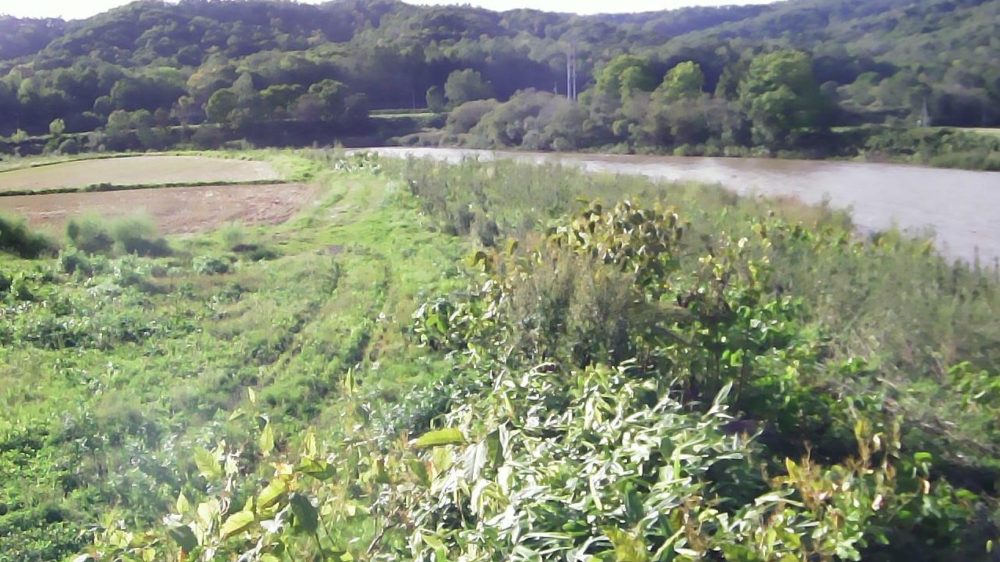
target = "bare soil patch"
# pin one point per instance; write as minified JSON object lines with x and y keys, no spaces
{"x":136,"y":170}
{"x":174,"y":210}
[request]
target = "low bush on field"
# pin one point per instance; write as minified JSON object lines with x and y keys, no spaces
{"x":90,"y":234}
{"x":138,"y":236}
{"x":18,"y":239}
{"x":135,"y":235}
{"x":210,"y":265}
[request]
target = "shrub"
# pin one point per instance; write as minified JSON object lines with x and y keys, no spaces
{"x":138,"y":236}
{"x":69,"y":146}
{"x":466,"y":116}
{"x":233,"y":235}
{"x":210,"y":265}
{"x":90,"y":234}
{"x":72,"y":260}
{"x":208,"y":137}
{"x":16,"y":238}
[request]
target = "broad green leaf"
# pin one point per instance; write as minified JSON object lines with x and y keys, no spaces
{"x":305,"y":514}
{"x":272,"y":493}
{"x":207,"y":512}
{"x":182,"y":505}
{"x":320,"y":470}
{"x":439,"y":548}
{"x":267,"y":440}
{"x":184,"y":537}
{"x":207,"y":463}
{"x":235,"y":524}
{"x":448,"y":436}
{"x":309,"y":444}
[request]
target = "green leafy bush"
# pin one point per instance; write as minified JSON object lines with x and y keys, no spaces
{"x":72,"y":261}
{"x":18,"y":239}
{"x":210,"y":265}
{"x":138,"y":236}
{"x":90,"y":234}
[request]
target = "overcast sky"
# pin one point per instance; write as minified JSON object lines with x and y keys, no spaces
{"x":72,"y":9}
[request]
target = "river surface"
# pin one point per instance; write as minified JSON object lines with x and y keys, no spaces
{"x":960,"y":208}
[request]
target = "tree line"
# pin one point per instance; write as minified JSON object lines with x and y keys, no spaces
{"x":674,"y":78}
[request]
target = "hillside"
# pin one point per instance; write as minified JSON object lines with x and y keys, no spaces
{"x":875,"y":59}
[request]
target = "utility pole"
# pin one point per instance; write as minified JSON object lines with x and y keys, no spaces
{"x":571,"y":93}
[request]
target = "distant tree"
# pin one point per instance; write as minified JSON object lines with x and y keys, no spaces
{"x":243,"y":87}
{"x":466,"y":85}
{"x":129,"y":94}
{"x":331,"y":95}
{"x":684,"y":81}
{"x":221,"y":105}
{"x":9,"y":108}
{"x":780,"y":94}
{"x":636,"y":79}
{"x":141,"y":119}
{"x":208,"y":137}
{"x":356,"y":110}
{"x":209,"y":78}
{"x":69,"y":146}
{"x":277,"y":99}
{"x":309,"y":107}
{"x":435,"y":98}
{"x":161,"y":117}
{"x":466,"y":116}
{"x":57,"y":127}
{"x":563,"y":125}
{"x":187,"y":111}
{"x":103,"y":105}
{"x":117,"y":130}
{"x":624,"y":75}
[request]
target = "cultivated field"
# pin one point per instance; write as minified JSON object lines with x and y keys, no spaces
{"x":136,"y":170}
{"x":174,"y":210}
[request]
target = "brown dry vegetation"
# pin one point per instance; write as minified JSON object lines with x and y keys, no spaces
{"x":173,"y":210}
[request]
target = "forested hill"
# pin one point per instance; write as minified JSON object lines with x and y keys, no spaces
{"x":878,"y":58}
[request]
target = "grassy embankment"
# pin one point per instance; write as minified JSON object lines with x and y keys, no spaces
{"x":110,"y":373}
{"x":120,"y":376}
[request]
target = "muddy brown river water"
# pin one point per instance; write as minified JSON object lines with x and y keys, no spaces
{"x":961,"y":208}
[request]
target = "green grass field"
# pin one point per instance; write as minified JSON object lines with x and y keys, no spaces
{"x":134,"y":171}
{"x":272,"y":377}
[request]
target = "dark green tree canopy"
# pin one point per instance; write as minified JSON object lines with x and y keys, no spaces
{"x":466,"y":85}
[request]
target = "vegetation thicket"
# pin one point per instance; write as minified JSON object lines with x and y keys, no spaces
{"x":495,"y":361}
{"x":734,"y":80}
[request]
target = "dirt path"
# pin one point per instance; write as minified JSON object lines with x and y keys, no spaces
{"x":173,"y":209}
{"x":961,"y":208}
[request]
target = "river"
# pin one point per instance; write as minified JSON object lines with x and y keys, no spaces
{"x":961,"y":208}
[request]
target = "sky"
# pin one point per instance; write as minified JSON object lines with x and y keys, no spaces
{"x":75,"y":9}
